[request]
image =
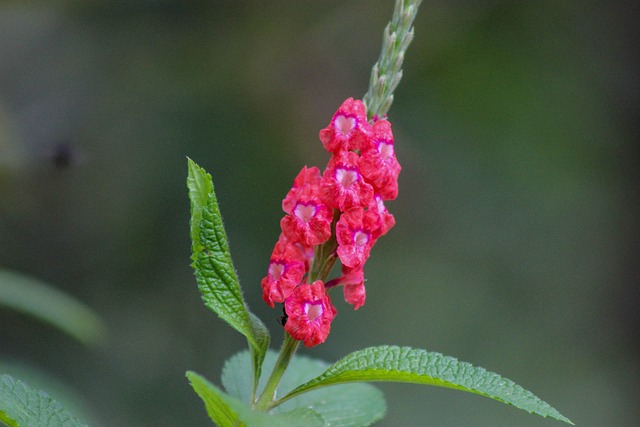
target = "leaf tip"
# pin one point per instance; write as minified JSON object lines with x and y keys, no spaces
{"x":565,"y":419}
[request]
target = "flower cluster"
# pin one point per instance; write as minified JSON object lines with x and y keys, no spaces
{"x":337,"y":214}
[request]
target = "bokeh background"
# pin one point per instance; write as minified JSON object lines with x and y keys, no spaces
{"x":516,"y":244}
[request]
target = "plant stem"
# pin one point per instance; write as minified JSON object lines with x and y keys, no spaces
{"x":268,"y":396}
{"x":325,"y":255}
{"x":387,"y":72}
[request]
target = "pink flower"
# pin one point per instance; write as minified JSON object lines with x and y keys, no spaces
{"x":308,"y":222}
{"x":309,"y":219}
{"x":307,"y":180}
{"x":348,"y":128}
{"x":310,"y":313}
{"x":356,"y":232}
{"x":285,"y":272}
{"x":353,"y":281}
{"x":378,"y":163}
{"x":342,"y":185}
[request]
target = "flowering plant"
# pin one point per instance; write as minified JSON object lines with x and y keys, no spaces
{"x":336,"y":214}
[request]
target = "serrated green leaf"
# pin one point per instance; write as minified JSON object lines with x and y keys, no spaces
{"x":200,"y":185}
{"x":346,"y":405}
{"x":404,"y":364}
{"x":217,"y":280}
{"x":43,"y":301}
{"x":64,"y":393}
{"x":227,"y":411}
{"x":20,"y":405}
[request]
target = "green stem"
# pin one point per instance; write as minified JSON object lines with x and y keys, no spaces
{"x":387,"y":72}
{"x":325,"y":255}
{"x":268,"y":396}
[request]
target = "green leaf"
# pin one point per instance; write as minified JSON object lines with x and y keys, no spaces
{"x":200,"y":185}
{"x":67,"y":395}
{"x":404,"y":364}
{"x":23,"y":406}
{"x":346,"y":405}
{"x":45,"y":302}
{"x":226,"y":410}
{"x":215,"y":401}
{"x":211,"y":259}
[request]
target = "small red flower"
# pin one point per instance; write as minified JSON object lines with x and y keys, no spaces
{"x":348,"y":128}
{"x":309,"y":219}
{"x":378,"y":163}
{"x":356,"y":232}
{"x":342,"y":185}
{"x":353,"y":281}
{"x":308,"y":222}
{"x":286,"y":269}
{"x":310,"y":313}
{"x":307,"y":180}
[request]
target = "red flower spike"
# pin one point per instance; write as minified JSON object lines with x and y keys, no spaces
{"x":361,"y":175}
{"x":342,"y":185}
{"x":286,"y":269}
{"x":353,"y":281}
{"x":348,"y":128}
{"x":356,"y":232}
{"x":310,"y":313}
{"x":378,"y":163}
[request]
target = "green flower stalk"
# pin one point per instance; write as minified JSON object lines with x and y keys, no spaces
{"x":387,"y":72}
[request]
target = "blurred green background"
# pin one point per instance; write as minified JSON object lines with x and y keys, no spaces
{"x":516,"y":244}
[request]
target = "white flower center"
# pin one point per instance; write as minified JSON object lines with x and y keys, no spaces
{"x":313,"y":311}
{"x":276,"y":270}
{"x":345,"y":124}
{"x":304,"y":212}
{"x":385,"y":150}
{"x":361,"y":238}
{"x":346,"y":177}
